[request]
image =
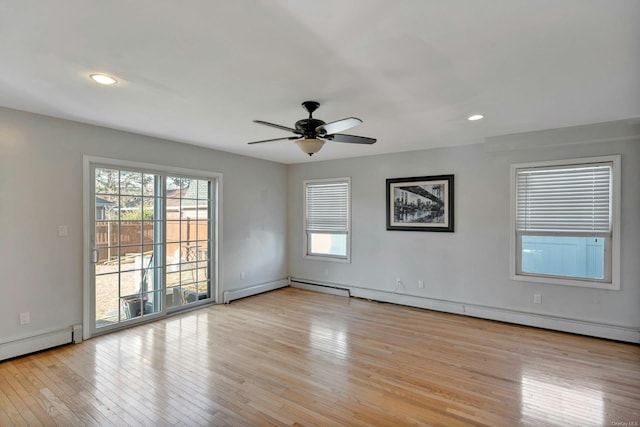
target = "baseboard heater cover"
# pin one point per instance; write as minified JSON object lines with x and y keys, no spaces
{"x":575,"y":326}
{"x":43,"y":341}
{"x":229,"y":296}
{"x":326,"y":288}
{"x":544,"y":321}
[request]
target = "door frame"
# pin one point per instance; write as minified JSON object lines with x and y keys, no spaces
{"x":215,"y":270}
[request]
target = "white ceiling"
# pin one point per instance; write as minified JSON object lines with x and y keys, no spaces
{"x":413,"y":70}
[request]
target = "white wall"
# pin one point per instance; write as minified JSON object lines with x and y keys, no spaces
{"x":468,"y":271}
{"x":41,"y":166}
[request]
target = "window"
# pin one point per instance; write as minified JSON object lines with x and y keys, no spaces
{"x":327,"y":218}
{"x":565,"y":222}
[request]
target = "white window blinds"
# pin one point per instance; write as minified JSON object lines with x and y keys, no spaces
{"x":571,"y":199}
{"x":327,"y":207}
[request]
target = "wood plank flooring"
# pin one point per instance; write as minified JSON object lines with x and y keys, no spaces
{"x":294,"y":357}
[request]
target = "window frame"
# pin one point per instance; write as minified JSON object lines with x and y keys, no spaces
{"x":306,"y":240}
{"x":614,"y":238}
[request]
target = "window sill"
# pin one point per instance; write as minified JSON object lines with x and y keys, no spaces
{"x":566,"y":282}
{"x":329,"y":258}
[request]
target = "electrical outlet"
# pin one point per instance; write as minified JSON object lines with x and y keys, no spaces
{"x":537,"y":299}
{"x":398,"y":281}
{"x":25,"y":318}
{"x":421,"y":284}
{"x":62,"y":231}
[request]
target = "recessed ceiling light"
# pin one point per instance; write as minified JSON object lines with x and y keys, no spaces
{"x":475,"y":117}
{"x":103,"y":79}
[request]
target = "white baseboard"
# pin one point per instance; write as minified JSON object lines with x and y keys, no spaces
{"x":576,"y":326}
{"x":254,"y":290}
{"x":43,"y":341}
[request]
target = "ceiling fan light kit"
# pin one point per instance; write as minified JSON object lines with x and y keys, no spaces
{"x":310,"y":146}
{"x":313,"y":133}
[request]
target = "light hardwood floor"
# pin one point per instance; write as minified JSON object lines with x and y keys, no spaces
{"x":294,"y":357}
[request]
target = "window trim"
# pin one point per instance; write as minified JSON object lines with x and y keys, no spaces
{"x":614,"y":284}
{"x":320,"y":257}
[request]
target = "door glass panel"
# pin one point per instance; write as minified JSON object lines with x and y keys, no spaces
{"x":126,"y":236}
{"x":187,"y":229}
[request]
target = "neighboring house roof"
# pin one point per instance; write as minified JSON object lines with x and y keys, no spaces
{"x":188,"y":198}
{"x":196,"y":195}
{"x":173,"y":198}
{"x":180,"y":198}
{"x":100,"y":202}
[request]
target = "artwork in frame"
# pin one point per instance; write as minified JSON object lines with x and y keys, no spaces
{"x":423,"y":203}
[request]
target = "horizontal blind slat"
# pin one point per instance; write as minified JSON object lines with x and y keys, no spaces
{"x":327,"y":207}
{"x":573,"y":198}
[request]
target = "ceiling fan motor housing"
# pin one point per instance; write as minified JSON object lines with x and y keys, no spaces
{"x":307,"y":127}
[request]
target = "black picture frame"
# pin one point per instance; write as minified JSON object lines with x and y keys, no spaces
{"x":423,"y":203}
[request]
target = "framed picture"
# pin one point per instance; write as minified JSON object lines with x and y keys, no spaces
{"x":423,"y":203}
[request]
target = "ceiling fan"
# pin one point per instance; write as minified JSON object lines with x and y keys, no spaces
{"x":311,"y":134}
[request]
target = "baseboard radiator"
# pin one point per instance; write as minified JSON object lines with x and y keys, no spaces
{"x":324,"y":287}
{"x":544,"y":321}
{"x":229,"y":296}
{"x":43,"y":341}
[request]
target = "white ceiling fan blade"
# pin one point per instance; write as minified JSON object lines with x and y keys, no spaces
{"x":338,"y":126}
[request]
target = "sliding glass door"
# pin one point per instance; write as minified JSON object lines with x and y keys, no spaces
{"x":150,"y":241}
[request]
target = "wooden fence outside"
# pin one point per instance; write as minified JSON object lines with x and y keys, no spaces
{"x":137,"y":236}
